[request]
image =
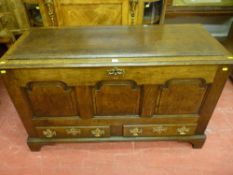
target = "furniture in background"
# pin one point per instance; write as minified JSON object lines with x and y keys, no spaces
{"x":199,"y":7}
{"x":216,"y":16}
{"x":6,"y":37}
{"x":13,"y":21}
{"x":13,"y":16}
{"x":22,"y":14}
{"x":102,"y":12}
{"x":142,"y":83}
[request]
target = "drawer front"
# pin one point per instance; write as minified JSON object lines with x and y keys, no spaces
{"x":73,"y":131}
{"x":90,"y":76}
{"x":159,"y":130}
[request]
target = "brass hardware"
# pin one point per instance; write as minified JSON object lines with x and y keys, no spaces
{"x":230,"y":57}
{"x":183,"y":130}
{"x":3,"y":71}
{"x":133,"y":5}
{"x":73,"y":131}
{"x":225,"y":69}
{"x":136,"y":131}
{"x":2,"y":62}
{"x":49,"y":133}
{"x":49,"y":4}
{"x":115,"y":71}
{"x":97,"y":132}
{"x":159,"y":129}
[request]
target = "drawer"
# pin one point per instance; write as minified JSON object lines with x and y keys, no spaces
{"x":159,"y":130}
{"x":90,"y":76}
{"x":74,"y":131}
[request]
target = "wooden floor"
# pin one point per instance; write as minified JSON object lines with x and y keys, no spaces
{"x":131,"y":158}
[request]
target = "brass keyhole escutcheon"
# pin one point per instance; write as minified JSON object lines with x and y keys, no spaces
{"x":115,"y":71}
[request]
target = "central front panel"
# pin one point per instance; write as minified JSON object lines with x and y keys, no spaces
{"x":112,"y":98}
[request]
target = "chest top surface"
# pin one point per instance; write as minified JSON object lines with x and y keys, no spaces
{"x":164,"y":44}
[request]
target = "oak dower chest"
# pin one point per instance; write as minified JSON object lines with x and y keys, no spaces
{"x":116,"y":83}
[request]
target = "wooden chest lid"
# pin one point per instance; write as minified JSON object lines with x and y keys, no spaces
{"x":137,"y":44}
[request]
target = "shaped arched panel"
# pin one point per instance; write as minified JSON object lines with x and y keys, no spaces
{"x":116,"y":98}
{"x":181,"y":96}
{"x":51,"y":99}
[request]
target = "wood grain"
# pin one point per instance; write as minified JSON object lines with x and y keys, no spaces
{"x":150,"y":94}
{"x":181,"y":96}
{"x":124,"y":41}
{"x":51,"y":99}
{"x":78,"y":15}
{"x":116,"y":98}
{"x":141,"y":75}
{"x":84,"y":101}
{"x":92,"y":12}
{"x":121,"y":83}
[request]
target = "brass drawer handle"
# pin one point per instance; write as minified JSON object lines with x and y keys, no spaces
{"x":97,"y":132}
{"x":73,"y":131}
{"x":116,"y":71}
{"x":136,"y":131}
{"x":49,"y":133}
{"x":159,"y":129}
{"x":183,"y":130}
